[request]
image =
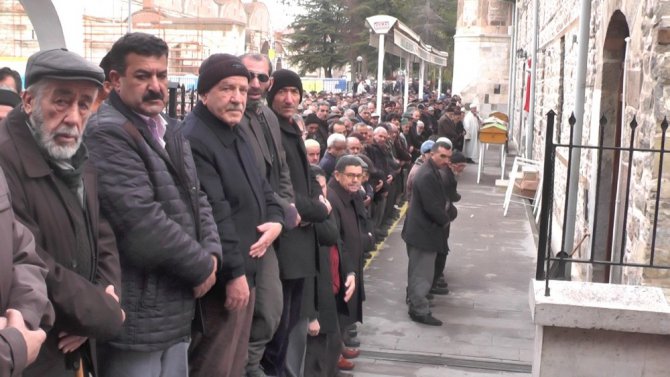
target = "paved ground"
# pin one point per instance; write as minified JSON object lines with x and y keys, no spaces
{"x":487,"y":327}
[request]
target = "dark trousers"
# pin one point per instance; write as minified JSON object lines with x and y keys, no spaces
{"x":323,"y":352}
{"x":440,"y":264}
{"x":222,"y":350}
{"x":274,"y":358}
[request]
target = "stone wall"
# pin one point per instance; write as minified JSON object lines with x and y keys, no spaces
{"x":647,"y":98}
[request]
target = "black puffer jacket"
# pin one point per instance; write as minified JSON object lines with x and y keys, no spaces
{"x":162,"y":221}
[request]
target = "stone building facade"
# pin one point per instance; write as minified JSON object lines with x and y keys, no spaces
{"x":628,"y":77}
{"x":481,"y":53}
{"x":194,"y":29}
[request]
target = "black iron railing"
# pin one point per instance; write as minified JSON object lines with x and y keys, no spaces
{"x":180,"y":100}
{"x":552,"y":265}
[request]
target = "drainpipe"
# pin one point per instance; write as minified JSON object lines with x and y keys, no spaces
{"x":573,"y":189}
{"x":530,"y":125}
{"x":511,"y":101}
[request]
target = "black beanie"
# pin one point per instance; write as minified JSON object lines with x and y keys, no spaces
{"x":312,"y":118}
{"x":284,"y":78}
{"x":216,"y":68}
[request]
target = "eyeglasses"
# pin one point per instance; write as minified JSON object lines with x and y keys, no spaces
{"x":262,"y":77}
{"x":352,"y":175}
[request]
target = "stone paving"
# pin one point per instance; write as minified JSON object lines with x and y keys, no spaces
{"x":487,"y":327}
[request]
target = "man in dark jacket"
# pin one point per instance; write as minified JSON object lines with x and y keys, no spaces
{"x":298,"y":248}
{"x":246,"y":212}
{"x":149,"y":190}
{"x":54,"y":193}
{"x":24,"y":305}
{"x":261,"y":127}
{"x":424,"y":231}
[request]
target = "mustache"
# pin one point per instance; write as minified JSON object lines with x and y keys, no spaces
{"x":152,"y":96}
{"x":235,"y":108}
{"x":66,"y":131}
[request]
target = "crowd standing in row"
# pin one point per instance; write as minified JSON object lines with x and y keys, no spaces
{"x":231,"y":243}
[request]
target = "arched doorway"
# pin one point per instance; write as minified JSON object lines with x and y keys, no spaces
{"x":607,"y":232}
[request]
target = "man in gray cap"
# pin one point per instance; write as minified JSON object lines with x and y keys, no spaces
{"x":54,"y":193}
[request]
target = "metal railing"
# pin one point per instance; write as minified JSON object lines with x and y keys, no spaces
{"x":552,"y":265}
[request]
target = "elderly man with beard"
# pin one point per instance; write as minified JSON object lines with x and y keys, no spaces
{"x":247,"y":215}
{"x":149,"y":190}
{"x":261,"y":127}
{"x":298,"y":248}
{"x":54,"y":193}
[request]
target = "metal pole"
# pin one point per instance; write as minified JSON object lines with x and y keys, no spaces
{"x":408,"y":74}
{"x":582,"y":57}
{"x":380,"y":71}
{"x":439,"y":81}
{"x":422,"y":69}
{"x":130,"y":17}
{"x":511,"y":103}
{"x":530,"y":124}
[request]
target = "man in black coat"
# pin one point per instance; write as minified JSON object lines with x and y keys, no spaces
{"x":298,"y":248}
{"x":261,"y":128}
{"x":246,"y":212}
{"x":424,"y":231}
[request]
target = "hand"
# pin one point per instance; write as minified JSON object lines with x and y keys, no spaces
{"x":379,"y":186}
{"x":110,"y":291}
{"x":389,"y":179}
{"x":33,"y":339}
{"x":367,"y":201}
{"x":68,"y":343}
{"x":325,"y":202}
{"x":350,"y":284}
{"x":237,"y":293}
{"x":269,"y":232}
{"x":313,"y":328}
{"x":206,"y":285}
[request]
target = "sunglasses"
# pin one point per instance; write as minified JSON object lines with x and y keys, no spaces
{"x":262,"y":77}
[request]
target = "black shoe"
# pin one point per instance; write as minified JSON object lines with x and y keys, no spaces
{"x":352,"y":343}
{"x":470,"y":161}
{"x":440,"y":284}
{"x":352,"y":333}
{"x":439,"y":291}
{"x":429,"y":296}
{"x":426,"y":319}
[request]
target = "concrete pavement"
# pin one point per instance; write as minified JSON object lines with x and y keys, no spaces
{"x":487,"y":327}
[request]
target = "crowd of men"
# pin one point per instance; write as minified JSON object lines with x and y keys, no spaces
{"x":231,"y":243}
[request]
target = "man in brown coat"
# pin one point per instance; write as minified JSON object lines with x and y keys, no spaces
{"x":24,"y":305}
{"x":54,"y":194}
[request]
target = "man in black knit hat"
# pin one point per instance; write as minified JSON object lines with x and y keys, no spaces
{"x":246,"y":212}
{"x":298,"y":248}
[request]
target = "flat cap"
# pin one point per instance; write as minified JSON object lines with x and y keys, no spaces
{"x":61,"y":64}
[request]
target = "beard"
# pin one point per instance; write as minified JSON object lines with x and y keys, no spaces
{"x":254,"y":104}
{"x":46,"y":140}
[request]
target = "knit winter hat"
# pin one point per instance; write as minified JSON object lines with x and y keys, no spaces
{"x":216,"y":68}
{"x":284,"y":78}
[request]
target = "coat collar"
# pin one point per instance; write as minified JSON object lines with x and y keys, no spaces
{"x":30,"y":155}
{"x":225,"y":133}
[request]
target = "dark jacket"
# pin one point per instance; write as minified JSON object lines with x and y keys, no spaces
{"x":163,"y":223}
{"x":298,"y":247}
{"x":22,"y":285}
{"x":427,"y":213}
{"x":270,"y":156}
{"x":349,"y":213}
{"x":327,"y":163}
{"x":45,"y":204}
{"x":240,"y":197}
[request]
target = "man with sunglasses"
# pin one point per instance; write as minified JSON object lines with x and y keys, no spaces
{"x":261,"y":127}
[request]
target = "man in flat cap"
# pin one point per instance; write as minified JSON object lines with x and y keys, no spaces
{"x":168,"y":243}
{"x":298,"y":248}
{"x":54,"y":193}
{"x":247,"y":214}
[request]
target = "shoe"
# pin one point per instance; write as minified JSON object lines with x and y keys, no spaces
{"x":353,"y":332}
{"x":345,"y":364}
{"x":441,"y":284}
{"x":350,"y":353}
{"x":470,"y":161}
{"x":352,"y":343}
{"x":429,"y":296}
{"x":439,"y":291}
{"x":426,"y":319}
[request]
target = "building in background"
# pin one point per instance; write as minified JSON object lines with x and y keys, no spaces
{"x":481,"y":53}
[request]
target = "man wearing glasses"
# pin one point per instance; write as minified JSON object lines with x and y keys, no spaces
{"x":261,"y":127}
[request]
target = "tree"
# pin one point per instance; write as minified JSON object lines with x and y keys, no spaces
{"x":317,"y":41}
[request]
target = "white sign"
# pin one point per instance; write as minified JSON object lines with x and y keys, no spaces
{"x":381,"y":24}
